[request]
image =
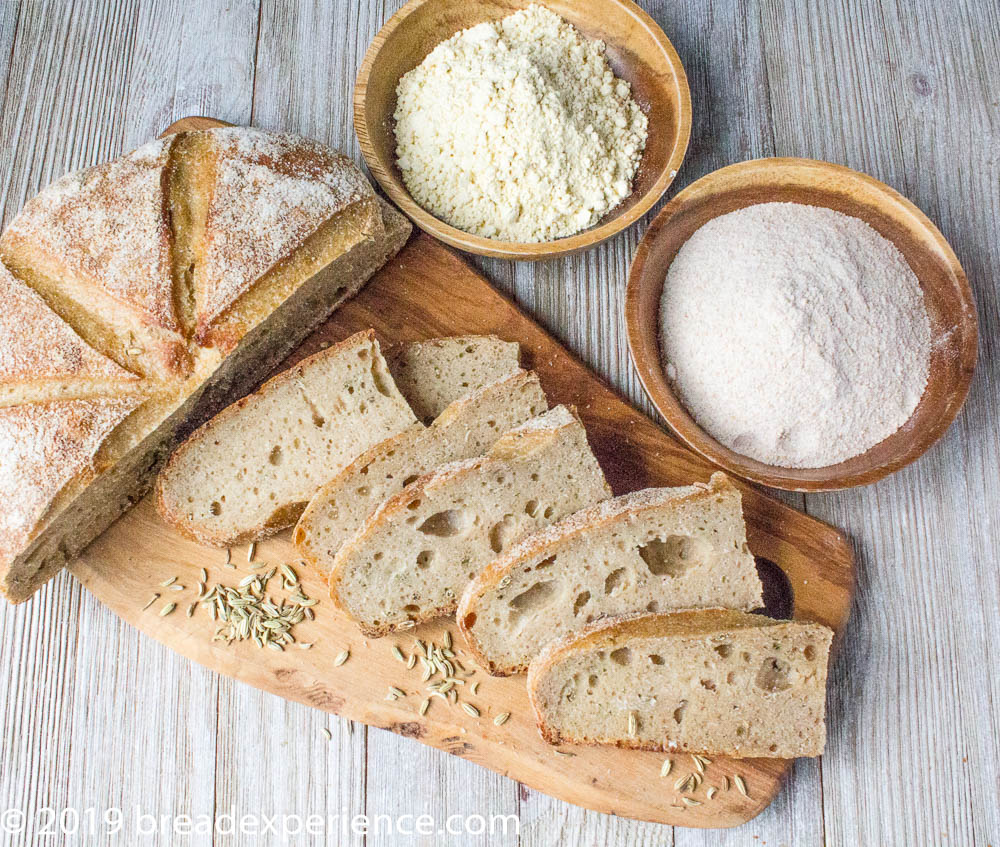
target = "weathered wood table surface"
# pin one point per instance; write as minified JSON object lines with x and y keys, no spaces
{"x":96,"y":716}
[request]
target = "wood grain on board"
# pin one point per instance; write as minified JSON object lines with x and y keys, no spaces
{"x":428,"y":291}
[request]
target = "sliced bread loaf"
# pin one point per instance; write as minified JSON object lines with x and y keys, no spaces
{"x":650,"y":551}
{"x":413,"y":556}
{"x":252,"y":468}
{"x":707,"y":681}
{"x":433,"y":374}
{"x":465,"y":429}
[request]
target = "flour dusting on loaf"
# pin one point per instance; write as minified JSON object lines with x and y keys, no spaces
{"x":272,"y":191}
{"x":109,"y":226}
{"x":36,"y":344}
{"x":42,"y":447}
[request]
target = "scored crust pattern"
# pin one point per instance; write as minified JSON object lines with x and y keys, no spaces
{"x":94,"y":293}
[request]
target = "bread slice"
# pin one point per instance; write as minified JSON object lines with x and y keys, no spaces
{"x":251,"y":469}
{"x":414,"y":555}
{"x":434,"y":373}
{"x":707,"y":681}
{"x":655,"y":550}
{"x":465,"y":429}
{"x":122,"y":255}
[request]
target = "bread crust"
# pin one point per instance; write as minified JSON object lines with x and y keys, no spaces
{"x":540,"y":427}
{"x":98,"y":249}
{"x":280,"y":518}
{"x":583,"y":522}
{"x":612,"y":632}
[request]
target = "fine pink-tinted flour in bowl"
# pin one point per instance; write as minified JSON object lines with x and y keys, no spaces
{"x":794,"y":334}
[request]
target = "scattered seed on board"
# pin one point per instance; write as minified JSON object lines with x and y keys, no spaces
{"x":683,"y":783}
{"x":425,"y":706}
{"x":191,"y":608}
{"x":167,"y":582}
{"x":398,"y":653}
{"x":229,"y":556}
{"x":447,"y":639}
{"x":501,"y":719}
{"x":469,"y":709}
{"x":474,"y":688}
{"x":166,"y":610}
{"x":176,"y":587}
{"x":396,"y":692}
{"x":698,"y":766}
{"x":305,"y":645}
{"x":152,"y":600}
{"x":710,"y":792}
{"x":725,"y":783}
{"x":666,"y":767}
{"x":563,"y":753}
{"x":251,"y":551}
{"x":690,"y":801}
{"x":342,"y":657}
{"x":411,"y":661}
{"x":327,"y":734}
{"x":741,"y":786}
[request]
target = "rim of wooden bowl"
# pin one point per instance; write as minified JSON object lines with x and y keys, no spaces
{"x":624,"y":215}
{"x":947,"y":294}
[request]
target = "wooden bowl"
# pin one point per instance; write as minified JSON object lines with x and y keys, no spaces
{"x":637,"y":50}
{"x":946,"y":294}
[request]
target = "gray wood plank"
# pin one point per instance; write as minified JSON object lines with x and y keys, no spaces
{"x":100,"y":710}
{"x":907,"y":92}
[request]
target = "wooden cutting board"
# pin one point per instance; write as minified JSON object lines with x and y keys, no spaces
{"x":428,"y":291}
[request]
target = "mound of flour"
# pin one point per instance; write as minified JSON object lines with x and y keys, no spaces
{"x":518,"y":129}
{"x":793,"y":334}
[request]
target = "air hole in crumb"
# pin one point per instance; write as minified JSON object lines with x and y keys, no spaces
{"x":215,"y":508}
{"x":411,"y":609}
{"x":581,"y":600}
{"x":534,"y":598}
{"x":424,"y":558}
{"x":413,"y":504}
{"x":275,"y":456}
{"x":410,"y":479}
{"x":656,"y":659}
{"x":545,"y":563}
{"x":724,"y":650}
{"x":548,"y":512}
{"x":674,"y":555}
{"x":378,"y":555}
{"x":500,"y":533}
{"x":708,"y":685}
{"x":773,"y":675}
{"x":531,"y":508}
{"x":446,"y":524}
{"x":679,"y":711}
{"x":621,"y":656}
{"x":469,"y":620}
{"x":730,"y":678}
{"x":652,"y":606}
{"x":809,"y":652}
{"x":363,"y":490}
{"x":614,"y":580}
{"x":773,"y":748}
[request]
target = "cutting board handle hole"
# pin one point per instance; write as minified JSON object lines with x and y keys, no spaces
{"x":779,"y":599}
